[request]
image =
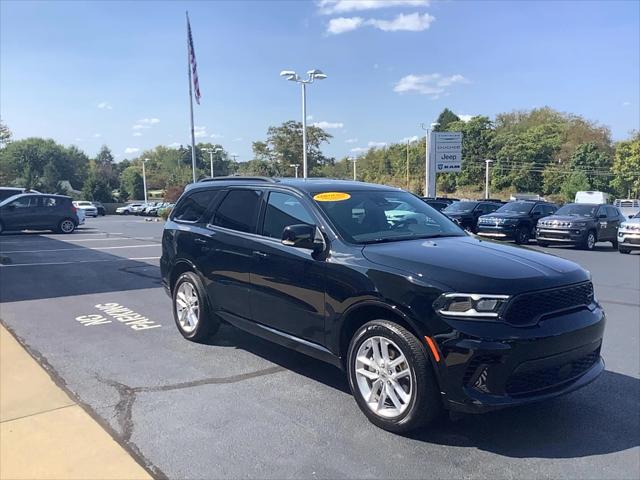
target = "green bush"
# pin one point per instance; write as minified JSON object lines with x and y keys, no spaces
{"x":164,"y":213}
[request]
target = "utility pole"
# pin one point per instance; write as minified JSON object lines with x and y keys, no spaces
{"x":486,"y":178}
{"x":407,"y":165}
{"x":355,"y":160}
{"x":144,"y":179}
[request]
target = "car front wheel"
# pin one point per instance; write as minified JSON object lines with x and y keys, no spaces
{"x":391,"y":377}
{"x":522,"y":236}
{"x":589,"y":241}
{"x":191,"y":309}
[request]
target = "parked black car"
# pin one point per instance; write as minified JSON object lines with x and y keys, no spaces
{"x":439,"y":203}
{"x":38,"y":212}
{"x":515,"y":220}
{"x":421,"y":315}
{"x":100,"y":207}
{"x":6,"y":192}
{"x":466,"y":213}
{"x":582,"y":225}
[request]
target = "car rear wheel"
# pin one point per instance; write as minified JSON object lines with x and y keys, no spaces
{"x":66,"y":226}
{"x":391,"y":377}
{"x":191,"y":309}
{"x":589,"y":241}
{"x":522,"y":236}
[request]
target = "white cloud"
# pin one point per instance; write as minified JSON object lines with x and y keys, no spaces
{"x":376,"y":144}
{"x":200,"y":131}
{"x":104,"y":106}
{"x":351,"y":140}
{"x":433,"y":84}
{"x":328,"y":125}
{"x":137,"y":134}
{"x":464,"y":117}
{"x":626,"y":104}
{"x":216,"y":135}
{"x":309,"y":117}
{"x":414,"y":22}
{"x":130,"y":150}
{"x":138,"y":126}
{"x":149,"y":121}
{"x":358,"y":150}
{"x":97,"y":135}
{"x":412,"y":139}
{"x":174,"y":145}
{"x":329,"y":7}
{"x":340,"y":25}
{"x":238,"y":139}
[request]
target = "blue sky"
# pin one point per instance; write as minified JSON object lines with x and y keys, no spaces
{"x":115,"y":72}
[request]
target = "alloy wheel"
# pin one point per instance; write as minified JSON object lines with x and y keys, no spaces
{"x":187,"y":307}
{"x":384,"y":377}
{"x":67,"y":226}
{"x":591,"y":241}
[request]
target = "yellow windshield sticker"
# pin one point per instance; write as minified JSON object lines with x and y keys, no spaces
{"x":331,"y":197}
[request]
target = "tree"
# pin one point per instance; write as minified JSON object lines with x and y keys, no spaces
{"x":5,"y":135}
{"x":595,"y":165}
{"x":97,"y":189}
{"x":477,"y":137}
{"x":576,"y":182}
{"x":50,"y":182}
{"x":445,"y":118}
{"x":626,"y":167}
{"x":131,"y":183}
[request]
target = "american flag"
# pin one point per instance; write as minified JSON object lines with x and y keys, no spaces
{"x":194,"y":64}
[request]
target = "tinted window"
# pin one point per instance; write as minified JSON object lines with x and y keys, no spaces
{"x":577,"y":209}
{"x":537,"y":209}
{"x":25,"y":202}
{"x":489,"y":207}
{"x":50,"y":201}
{"x":517,"y":207}
{"x":283,"y":210}
{"x":239,"y":210}
{"x":193,"y":207}
{"x":548,"y":209}
{"x":386,"y":216}
{"x":613,"y":212}
{"x":460,"y":207}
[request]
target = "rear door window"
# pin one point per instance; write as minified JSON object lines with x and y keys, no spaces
{"x":193,"y":207}
{"x":283,"y":210}
{"x":239,"y":210}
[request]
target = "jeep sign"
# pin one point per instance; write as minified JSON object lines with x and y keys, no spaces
{"x":448,"y":151}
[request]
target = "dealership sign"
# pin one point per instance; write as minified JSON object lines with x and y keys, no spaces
{"x":448,"y":151}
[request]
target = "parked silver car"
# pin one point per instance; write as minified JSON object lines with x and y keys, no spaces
{"x":629,"y":234}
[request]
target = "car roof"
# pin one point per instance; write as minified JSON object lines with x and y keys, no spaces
{"x":310,"y":185}
{"x":20,"y":195}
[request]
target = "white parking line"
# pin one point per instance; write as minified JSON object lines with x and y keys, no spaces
{"x":73,"y":240}
{"x":77,"y":261}
{"x":82,"y":248}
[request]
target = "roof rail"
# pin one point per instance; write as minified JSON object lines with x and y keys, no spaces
{"x":237,"y":178}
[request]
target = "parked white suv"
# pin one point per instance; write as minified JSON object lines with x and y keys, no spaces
{"x":629,"y":235}
{"x":132,"y":208}
{"x":88,"y":208}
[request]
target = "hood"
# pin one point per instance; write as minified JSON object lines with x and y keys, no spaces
{"x":506,"y":215}
{"x":470,"y":265}
{"x":634,"y":221}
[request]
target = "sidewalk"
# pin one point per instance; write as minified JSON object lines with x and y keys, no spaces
{"x":44,"y":433}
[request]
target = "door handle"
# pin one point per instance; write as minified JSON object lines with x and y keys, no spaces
{"x":200,"y":241}
{"x":258,"y":253}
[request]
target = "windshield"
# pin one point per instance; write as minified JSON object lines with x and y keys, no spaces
{"x":378,"y":216}
{"x":577,"y":210}
{"x":460,"y":207}
{"x":516,"y":207}
{"x":9,"y":199}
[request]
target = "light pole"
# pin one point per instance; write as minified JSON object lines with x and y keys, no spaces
{"x":407,"y":165}
{"x":211,"y":151}
{"x":295,"y":166}
{"x":354,"y":160}
{"x":144,"y":179}
{"x":430,"y":171}
{"x":292,"y":76}
{"x":486,"y":178}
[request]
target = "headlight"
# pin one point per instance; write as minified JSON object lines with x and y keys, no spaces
{"x":470,"y":305}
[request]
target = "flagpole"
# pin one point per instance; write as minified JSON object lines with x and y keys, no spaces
{"x":193,"y":137}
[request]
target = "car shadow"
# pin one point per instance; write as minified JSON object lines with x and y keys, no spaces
{"x":598,"y":419}
{"x":37,"y":266}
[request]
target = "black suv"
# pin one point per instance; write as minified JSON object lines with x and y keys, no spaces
{"x":515,"y":220}
{"x":38,"y":212}
{"x":582,"y":225}
{"x":439,"y":203}
{"x":466,"y":213}
{"x":421,"y":315}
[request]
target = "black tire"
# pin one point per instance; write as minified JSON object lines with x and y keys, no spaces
{"x":587,"y":243}
{"x":126,"y":212}
{"x":207,"y":323}
{"x":614,"y":242}
{"x":624,"y":250}
{"x":66,"y":226}
{"x":425,"y":404}
{"x":522,"y":236}
{"x":543,"y":244}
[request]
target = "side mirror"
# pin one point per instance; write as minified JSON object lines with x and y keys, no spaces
{"x":303,"y":236}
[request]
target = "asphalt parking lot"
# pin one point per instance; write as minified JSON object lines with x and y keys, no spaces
{"x":239,"y":406}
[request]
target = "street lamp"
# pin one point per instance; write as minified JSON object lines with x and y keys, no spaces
{"x":430,"y":170}
{"x":295,"y":165}
{"x":292,"y":76}
{"x":211,"y":151}
{"x":144,"y":179}
{"x":486,"y":178}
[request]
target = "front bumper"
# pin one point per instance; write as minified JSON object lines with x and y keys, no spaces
{"x":629,"y":239}
{"x":501,"y":232}
{"x":488,"y":366}
{"x":575,"y":235}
